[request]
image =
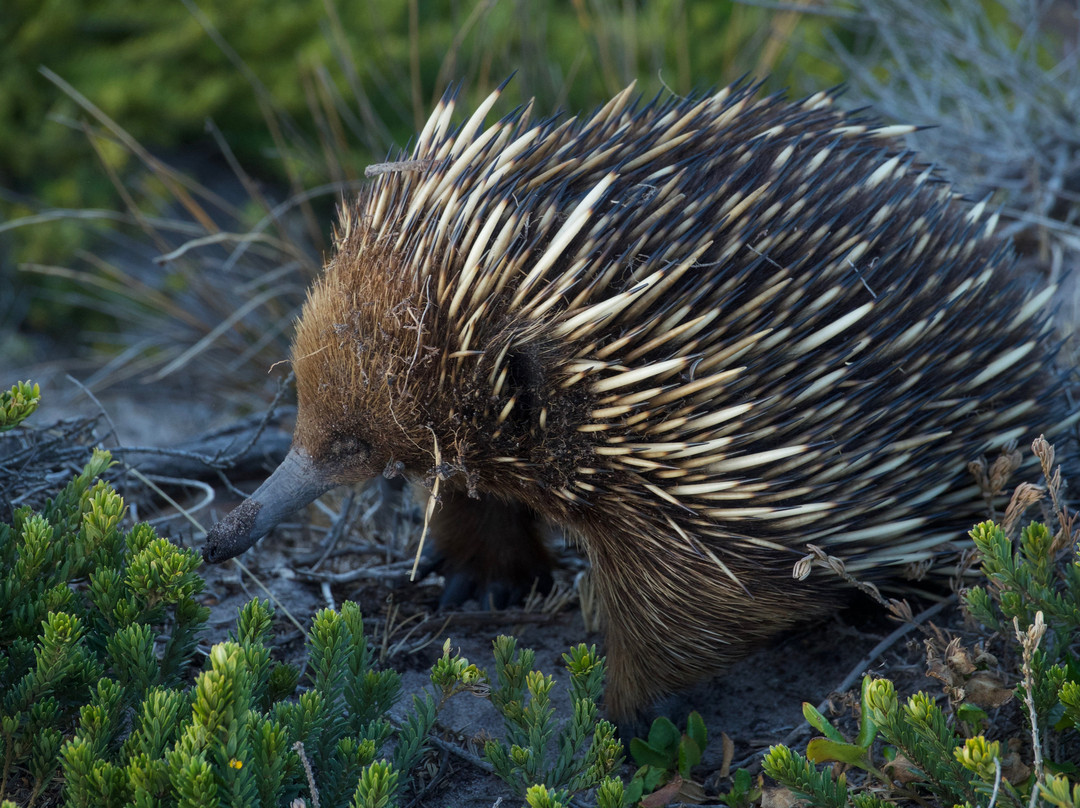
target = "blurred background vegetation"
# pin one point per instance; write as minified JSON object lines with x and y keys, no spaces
{"x":168,"y":170}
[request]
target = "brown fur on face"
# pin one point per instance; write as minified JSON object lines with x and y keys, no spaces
{"x":346,"y":356}
{"x":698,"y":335}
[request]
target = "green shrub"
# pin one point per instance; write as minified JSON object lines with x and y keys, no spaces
{"x":239,"y":737}
{"x":1031,"y":596}
{"x":17,"y":404}
{"x":81,"y":605}
{"x":543,"y":763}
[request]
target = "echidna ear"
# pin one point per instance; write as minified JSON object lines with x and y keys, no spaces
{"x":294,"y":484}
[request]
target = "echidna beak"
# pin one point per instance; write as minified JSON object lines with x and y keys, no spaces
{"x":294,"y":484}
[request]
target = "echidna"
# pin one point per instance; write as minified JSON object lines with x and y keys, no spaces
{"x":697,"y":333}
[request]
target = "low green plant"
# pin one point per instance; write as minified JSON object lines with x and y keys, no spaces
{"x":17,"y":404}
{"x":544,"y":764}
{"x":926,"y":750}
{"x":82,"y":604}
{"x":745,"y":790}
{"x":834,"y":747}
{"x":239,"y":737}
{"x":1023,"y":579}
{"x":609,"y":794}
{"x":1032,"y":595}
{"x":667,"y":755}
{"x":936,"y":759}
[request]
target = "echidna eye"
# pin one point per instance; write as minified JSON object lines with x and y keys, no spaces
{"x":343,"y":448}
{"x":345,"y":458}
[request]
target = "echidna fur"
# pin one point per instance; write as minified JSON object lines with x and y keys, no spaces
{"x":697,"y":333}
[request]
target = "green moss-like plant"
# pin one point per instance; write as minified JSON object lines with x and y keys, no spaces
{"x":581,"y":755}
{"x":17,"y":404}
{"x":1032,"y":594}
{"x":81,"y":604}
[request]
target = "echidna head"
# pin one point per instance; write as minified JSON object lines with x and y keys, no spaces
{"x":351,"y":411}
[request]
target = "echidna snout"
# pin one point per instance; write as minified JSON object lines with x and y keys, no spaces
{"x":294,"y":484}
{"x":697,"y":334}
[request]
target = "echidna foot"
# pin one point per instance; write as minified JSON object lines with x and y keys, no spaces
{"x":487,"y":549}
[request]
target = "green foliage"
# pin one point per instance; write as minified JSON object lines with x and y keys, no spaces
{"x":1024,"y":580}
{"x":668,"y":749}
{"x":744,"y":792}
{"x":156,"y":69}
{"x":581,"y":755}
{"x":609,"y":794}
{"x":1033,"y":592}
{"x":17,"y":404}
{"x":377,"y":786}
{"x":801,"y":776}
{"x":666,"y":753}
{"x":834,"y":747}
{"x":539,"y":796}
{"x":216,"y":743}
{"x":920,"y":731}
{"x":1058,"y":791}
{"x":81,"y":602}
{"x":1032,"y":595}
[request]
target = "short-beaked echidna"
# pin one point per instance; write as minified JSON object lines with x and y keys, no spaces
{"x":697,"y":333}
